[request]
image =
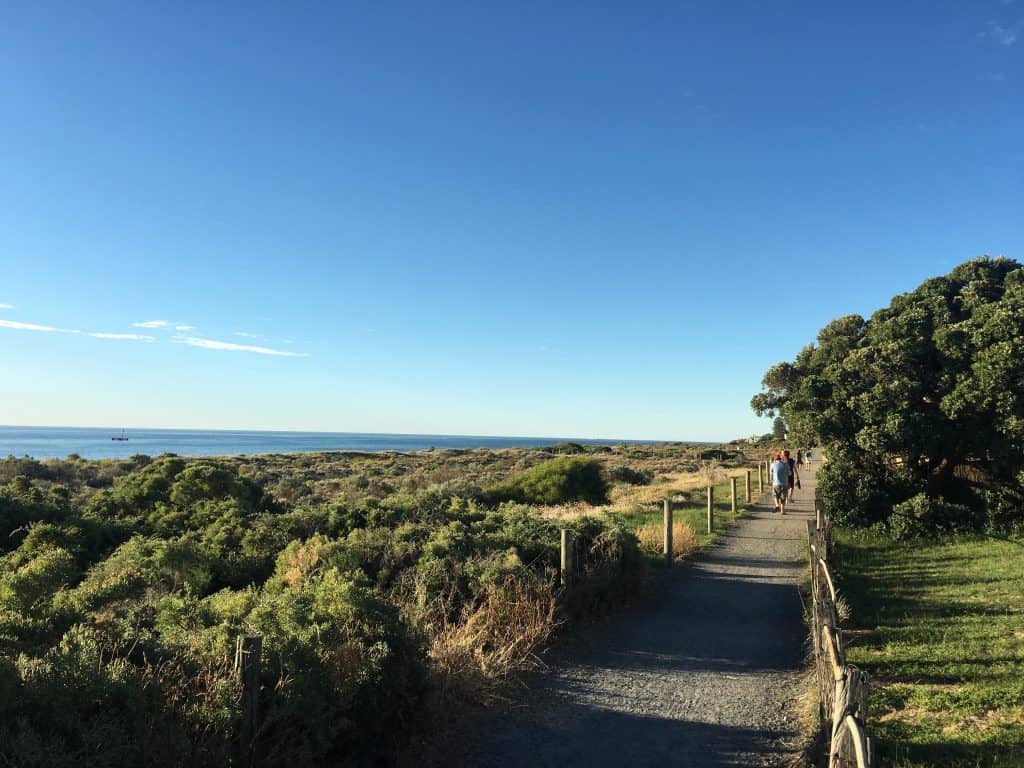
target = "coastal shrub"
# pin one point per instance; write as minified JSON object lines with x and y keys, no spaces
{"x":568,"y":448}
{"x":557,"y":481}
{"x":630,"y":476}
{"x":77,"y":704}
{"x":342,"y":670}
{"x":126,"y":583}
{"x":610,"y":564}
{"x":23,"y":503}
{"x":922,"y":515}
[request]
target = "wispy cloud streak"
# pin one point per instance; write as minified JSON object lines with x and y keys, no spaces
{"x":18,"y":326}
{"x":228,"y":346}
{"x":123,"y":336}
{"x":6,"y":306}
{"x":152,"y":324}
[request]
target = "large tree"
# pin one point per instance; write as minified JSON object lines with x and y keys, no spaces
{"x":926,"y":396}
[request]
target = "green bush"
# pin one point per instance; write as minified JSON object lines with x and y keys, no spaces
{"x":558,"y":481}
{"x":921,"y":515}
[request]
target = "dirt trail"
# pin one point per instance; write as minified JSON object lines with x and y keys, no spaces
{"x":703,"y":676}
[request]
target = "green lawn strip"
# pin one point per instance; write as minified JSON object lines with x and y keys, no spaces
{"x":940,"y":627}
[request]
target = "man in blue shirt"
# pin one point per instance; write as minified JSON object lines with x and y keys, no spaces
{"x":779,"y":473}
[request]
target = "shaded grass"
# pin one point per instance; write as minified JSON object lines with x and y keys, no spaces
{"x":940,"y":627}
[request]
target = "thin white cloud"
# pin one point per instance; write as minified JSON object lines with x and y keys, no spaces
{"x":1002,"y":35}
{"x":184,"y":327}
{"x":18,"y":326}
{"x":6,"y":306}
{"x":227,"y":346}
{"x":123,"y":336}
{"x":246,"y":335}
{"x":152,"y":324}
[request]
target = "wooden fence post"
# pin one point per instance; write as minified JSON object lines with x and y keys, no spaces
{"x":668,"y":531}
{"x":732,"y":483}
{"x":248,"y":650}
{"x":711,"y":508}
{"x":566,"y":564}
{"x":749,"y":499}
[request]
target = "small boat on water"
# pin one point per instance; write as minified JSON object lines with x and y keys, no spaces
{"x":122,"y":438}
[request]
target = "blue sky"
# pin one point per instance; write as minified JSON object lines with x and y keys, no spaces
{"x":570,"y":219}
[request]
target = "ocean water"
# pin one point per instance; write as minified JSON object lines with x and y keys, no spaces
{"x":96,"y":443}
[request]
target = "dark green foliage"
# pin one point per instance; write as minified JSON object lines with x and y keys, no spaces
{"x":923,"y":515}
{"x":557,"y":481}
{"x":568,"y":448}
{"x":779,"y":428}
{"x":630,"y":476}
{"x":925,"y":397}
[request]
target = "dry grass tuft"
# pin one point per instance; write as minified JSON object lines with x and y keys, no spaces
{"x":475,"y":655}
{"x":684,"y":539}
{"x":842,"y":609}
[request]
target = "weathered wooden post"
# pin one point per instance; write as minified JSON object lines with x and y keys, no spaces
{"x":668,"y":531}
{"x":817,"y":517}
{"x":749,"y":498}
{"x":732,"y":483}
{"x":248,"y":650}
{"x":711,"y":508}
{"x":760,"y":478}
{"x":566,"y":564}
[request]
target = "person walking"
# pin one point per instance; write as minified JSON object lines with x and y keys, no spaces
{"x":779,"y":473}
{"x":794,"y":478}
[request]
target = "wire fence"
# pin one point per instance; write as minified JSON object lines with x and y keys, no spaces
{"x":842,"y":688}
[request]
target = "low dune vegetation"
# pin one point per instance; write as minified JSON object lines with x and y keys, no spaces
{"x":386,"y":588}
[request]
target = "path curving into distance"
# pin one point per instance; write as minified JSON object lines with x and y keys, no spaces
{"x":704,"y":675}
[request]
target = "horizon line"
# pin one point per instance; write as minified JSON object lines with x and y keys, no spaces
{"x":388,"y":434}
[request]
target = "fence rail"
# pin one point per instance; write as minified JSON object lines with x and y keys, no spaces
{"x":842,"y":688}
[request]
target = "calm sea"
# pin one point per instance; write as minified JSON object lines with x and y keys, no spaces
{"x":92,"y":443}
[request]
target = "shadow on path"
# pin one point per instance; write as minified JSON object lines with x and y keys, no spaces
{"x":702,"y":676}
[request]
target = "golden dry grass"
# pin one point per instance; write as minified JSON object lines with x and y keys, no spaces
{"x":623,"y":497}
{"x":684,"y":539}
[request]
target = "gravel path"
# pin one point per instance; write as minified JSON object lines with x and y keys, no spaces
{"x":702,"y":676}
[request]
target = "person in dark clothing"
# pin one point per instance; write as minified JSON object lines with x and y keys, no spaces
{"x":793,"y":479}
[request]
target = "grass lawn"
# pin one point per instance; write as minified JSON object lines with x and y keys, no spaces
{"x":940,"y":627}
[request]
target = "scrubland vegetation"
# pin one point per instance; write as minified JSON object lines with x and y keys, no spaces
{"x":386,"y":587}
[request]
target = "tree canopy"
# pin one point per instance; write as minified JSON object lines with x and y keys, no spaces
{"x":922,"y":405}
